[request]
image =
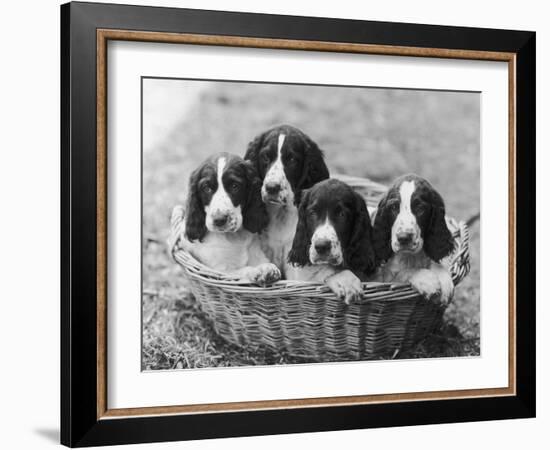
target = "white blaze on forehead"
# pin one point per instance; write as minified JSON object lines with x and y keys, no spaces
{"x":406,"y":191}
{"x":276,"y":171}
{"x":221,"y":167}
{"x":406,"y":220}
{"x":280,"y":143}
{"x":221,"y":203}
{"x":276,"y":174}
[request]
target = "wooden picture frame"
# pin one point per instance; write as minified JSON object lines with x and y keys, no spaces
{"x":85,"y":417}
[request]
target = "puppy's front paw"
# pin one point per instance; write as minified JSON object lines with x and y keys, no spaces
{"x":265,"y":274}
{"x":447,"y":288}
{"x":346,"y":286}
{"x":427,"y":284}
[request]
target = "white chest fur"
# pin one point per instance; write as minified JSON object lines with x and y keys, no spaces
{"x":278,"y":236}
{"x":401,"y":265}
{"x":224,"y":251}
{"x":428,"y":277}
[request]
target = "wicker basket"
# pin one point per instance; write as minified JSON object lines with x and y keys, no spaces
{"x":305,"y":319}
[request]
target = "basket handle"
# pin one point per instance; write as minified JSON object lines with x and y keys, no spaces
{"x":177,"y":228}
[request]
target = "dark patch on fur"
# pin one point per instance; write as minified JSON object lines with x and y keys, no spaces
{"x":254,"y":213}
{"x":438,"y":240}
{"x":255,"y":218}
{"x":328,"y":198}
{"x":303,"y":160}
{"x":195,"y":226}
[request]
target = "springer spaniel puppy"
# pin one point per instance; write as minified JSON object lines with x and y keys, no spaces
{"x":224,"y":215}
{"x":288,"y":161}
{"x":333,"y":241}
{"x":412,"y":238}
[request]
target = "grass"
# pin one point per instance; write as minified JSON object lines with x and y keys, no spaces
{"x":374,"y":133}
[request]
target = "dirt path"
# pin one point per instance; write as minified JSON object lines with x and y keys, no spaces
{"x":164,"y":106}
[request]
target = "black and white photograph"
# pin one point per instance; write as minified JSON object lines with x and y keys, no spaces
{"x":294,"y":223}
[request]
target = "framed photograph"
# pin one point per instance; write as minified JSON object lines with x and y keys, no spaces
{"x":277,"y":224}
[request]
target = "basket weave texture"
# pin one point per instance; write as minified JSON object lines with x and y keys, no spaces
{"x":306,"y":319}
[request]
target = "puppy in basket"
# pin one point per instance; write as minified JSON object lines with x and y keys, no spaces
{"x":333,"y":240}
{"x":223,"y":217}
{"x":412,"y":239}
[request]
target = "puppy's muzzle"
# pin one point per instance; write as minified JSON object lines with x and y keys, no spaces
{"x":273,"y":192}
{"x":220,"y":221}
{"x":324,"y":251}
{"x":224,"y":222}
{"x":272,"y":189}
{"x":323,"y":247}
{"x":406,"y":241}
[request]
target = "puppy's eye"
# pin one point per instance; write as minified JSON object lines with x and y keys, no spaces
{"x":419,"y":207}
{"x":265,"y":158}
{"x":207,"y":188}
{"x":393,"y":207}
{"x":341,"y":214}
{"x":235,"y":187}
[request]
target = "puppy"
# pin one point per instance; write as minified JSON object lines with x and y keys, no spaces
{"x":288,"y":161}
{"x":224,"y":215}
{"x":333,"y":240}
{"x":412,"y":238}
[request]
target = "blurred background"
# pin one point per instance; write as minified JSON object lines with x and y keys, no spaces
{"x":368,"y":132}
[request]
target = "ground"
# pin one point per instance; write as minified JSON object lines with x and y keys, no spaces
{"x":374,"y":133}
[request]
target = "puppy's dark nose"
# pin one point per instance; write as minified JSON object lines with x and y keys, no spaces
{"x":404,"y":238}
{"x":272,"y":188}
{"x":221,"y":220}
{"x":322,"y":247}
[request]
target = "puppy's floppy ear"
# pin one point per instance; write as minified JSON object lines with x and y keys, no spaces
{"x":298,"y":195}
{"x":438,"y":241}
{"x":315,"y":169}
{"x":195,"y":226}
{"x":299,"y":253}
{"x":253,"y":150}
{"x":255,"y":217}
{"x":359,"y":255}
{"x":382,"y":230}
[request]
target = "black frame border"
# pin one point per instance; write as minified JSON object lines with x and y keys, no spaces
{"x":79,"y":423}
